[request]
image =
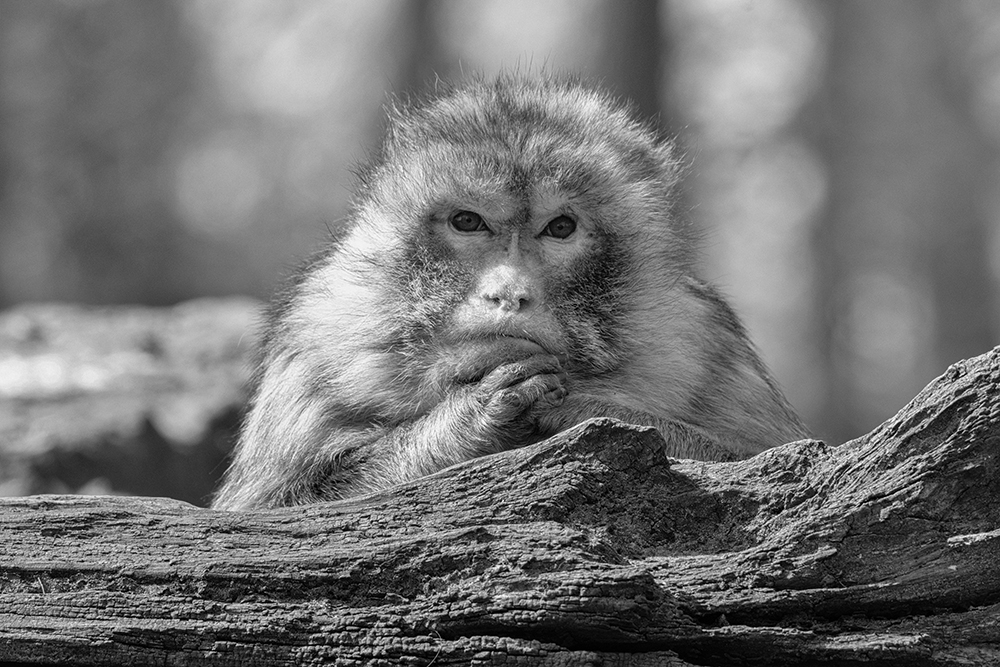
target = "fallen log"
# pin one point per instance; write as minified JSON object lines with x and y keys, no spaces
{"x":592,"y":547}
{"x":127,"y":400}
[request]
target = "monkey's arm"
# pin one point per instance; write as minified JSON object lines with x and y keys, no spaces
{"x":473,"y":420}
{"x":683,"y":440}
{"x":295,"y":450}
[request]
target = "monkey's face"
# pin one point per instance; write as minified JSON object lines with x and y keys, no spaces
{"x":491,"y":269}
{"x":505,"y":226}
{"x":513,"y":261}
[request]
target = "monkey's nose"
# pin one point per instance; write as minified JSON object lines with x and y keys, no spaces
{"x":511,"y":303}
{"x":508,"y":290}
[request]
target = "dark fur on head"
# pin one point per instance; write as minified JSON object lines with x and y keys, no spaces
{"x":420,"y":339}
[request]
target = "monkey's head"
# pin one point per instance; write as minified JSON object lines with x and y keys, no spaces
{"x":505,"y":218}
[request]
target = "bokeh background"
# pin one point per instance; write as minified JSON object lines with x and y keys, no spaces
{"x":845,"y":154}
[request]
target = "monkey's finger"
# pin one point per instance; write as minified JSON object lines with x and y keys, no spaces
{"x":552,"y":398}
{"x":510,"y":374}
{"x":539,"y":387}
{"x":511,"y":403}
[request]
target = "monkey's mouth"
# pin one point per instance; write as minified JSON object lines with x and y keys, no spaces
{"x":516,"y":342}
{"x":475,"y":357}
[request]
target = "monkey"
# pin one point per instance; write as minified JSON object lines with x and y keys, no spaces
{"x":513,"y":263}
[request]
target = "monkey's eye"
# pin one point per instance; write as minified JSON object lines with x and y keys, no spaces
{"x":560,"y":227}
{"x":467,"y":221}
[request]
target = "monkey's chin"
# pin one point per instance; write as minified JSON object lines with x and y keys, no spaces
{"x":472,"y":359}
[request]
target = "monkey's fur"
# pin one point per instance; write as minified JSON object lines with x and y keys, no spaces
{"x":513,"y":265}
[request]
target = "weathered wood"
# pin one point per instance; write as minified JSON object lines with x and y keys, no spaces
{"x":589,"y":548}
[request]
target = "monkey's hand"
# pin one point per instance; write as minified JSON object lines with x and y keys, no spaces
{"x":504,"y":407}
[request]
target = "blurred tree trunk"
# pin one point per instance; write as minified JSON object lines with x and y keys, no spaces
{"x":4,"y":158}
{"x":89,"y":107}
{"x":630,"y":60}
{"x":420,"y":57}
{"x":902,"y":229}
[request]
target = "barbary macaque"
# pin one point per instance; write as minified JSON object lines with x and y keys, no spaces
{"x":513,"y":265}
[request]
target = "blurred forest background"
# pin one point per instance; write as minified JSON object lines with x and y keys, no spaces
{"x":845,"y":154}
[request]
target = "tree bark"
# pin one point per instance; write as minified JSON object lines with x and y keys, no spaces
{"x":592,"y":547}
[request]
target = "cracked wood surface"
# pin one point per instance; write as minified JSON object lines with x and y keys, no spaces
{"x":589,"y":548}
